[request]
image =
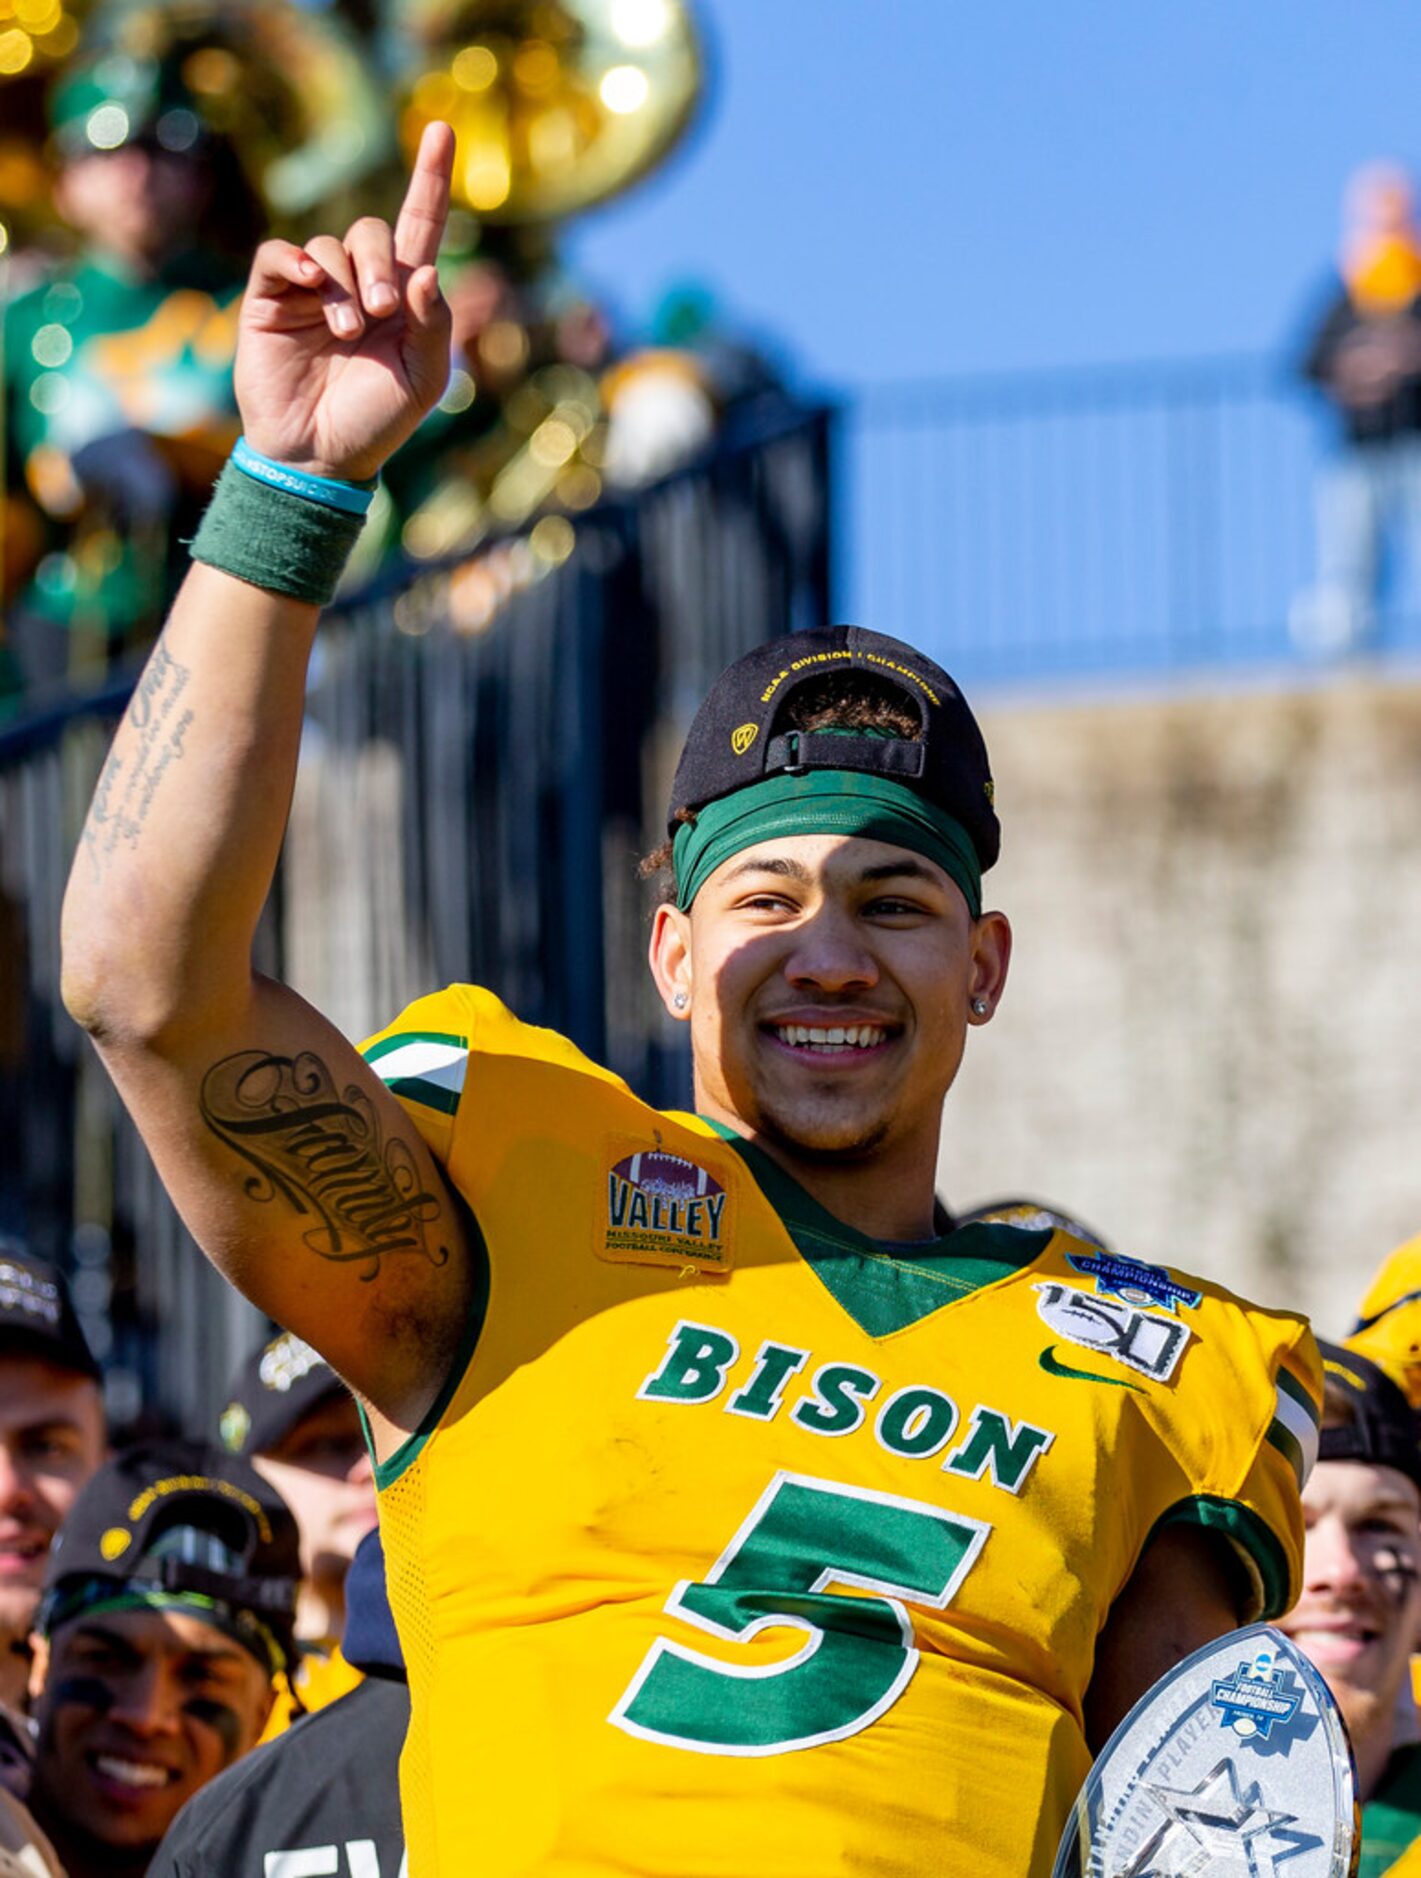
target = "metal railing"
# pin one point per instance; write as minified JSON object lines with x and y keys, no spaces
{"x":1105,"y":522}
{"x":473,"y":795}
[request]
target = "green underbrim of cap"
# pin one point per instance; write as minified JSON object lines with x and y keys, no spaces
{"x":241,"y":1626}
{"x":824,"y":802}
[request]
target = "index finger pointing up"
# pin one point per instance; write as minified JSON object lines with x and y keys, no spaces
{"x":425,"y":208}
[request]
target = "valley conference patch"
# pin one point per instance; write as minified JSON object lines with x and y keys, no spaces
{"x":1110,"y":1327}
{"x":662,"y":1209}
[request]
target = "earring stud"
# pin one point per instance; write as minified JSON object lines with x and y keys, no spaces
{"x":980,"y":1007}
{"x":680,"y":1001}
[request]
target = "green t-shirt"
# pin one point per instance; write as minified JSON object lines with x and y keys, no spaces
{"x":91,"y":354}
{"x":1391,"y":1819}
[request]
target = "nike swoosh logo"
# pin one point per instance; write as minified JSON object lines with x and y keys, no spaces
{"x":1054,"y":1367}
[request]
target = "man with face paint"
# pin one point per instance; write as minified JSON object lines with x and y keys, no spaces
{"x":168,"y":1614}
{"x":1360,"y":1607}
{"x":325,"y":1796}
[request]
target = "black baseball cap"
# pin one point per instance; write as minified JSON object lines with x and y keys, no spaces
{"x":273,"y":1388}
{"x":736,"y":738}
{"x":1381,"y":1428}
{"x":179,"y":1524}
{"x":37,"y":1315}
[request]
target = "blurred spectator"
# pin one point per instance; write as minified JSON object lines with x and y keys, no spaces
{"x":52,"y":1438}
{"x":168,"y":1614}
{"x":1360,"y":1607}
{"x":667,"y":400}
{"x":661,"y":414}
{"x":119,"y":405}
{"x":1365,"y":356}
{"x":326,"y":1796}
{"x":296,"y":1421}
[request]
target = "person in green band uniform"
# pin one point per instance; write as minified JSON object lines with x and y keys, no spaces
{"x":118,"y":367}
{"x":1360,"y":1609}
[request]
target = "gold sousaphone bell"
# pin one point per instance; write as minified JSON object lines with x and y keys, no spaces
{"x":557,"y":104}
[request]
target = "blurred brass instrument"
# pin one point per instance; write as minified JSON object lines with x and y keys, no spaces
{"x":292,"y":90}
{"x":557,"y":104}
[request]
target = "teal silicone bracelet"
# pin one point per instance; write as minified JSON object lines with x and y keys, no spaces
{"x":353,"y":498}
{"x":272,"y":539}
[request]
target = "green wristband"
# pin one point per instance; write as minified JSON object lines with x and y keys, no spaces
{"x":275,"y":540}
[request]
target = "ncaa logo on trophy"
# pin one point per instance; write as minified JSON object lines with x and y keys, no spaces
{"x":1256,"y":1698}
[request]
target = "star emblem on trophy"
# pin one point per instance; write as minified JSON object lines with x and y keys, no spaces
{"x":1220,"y":1828}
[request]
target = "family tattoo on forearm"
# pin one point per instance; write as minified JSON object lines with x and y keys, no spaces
{"x":322,"y":1151}
{"x":127,"y":784}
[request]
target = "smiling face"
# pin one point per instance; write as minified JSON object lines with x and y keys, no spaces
{"x":138,"y":1710}
{"x":829,"y":982}
{"x":1361,"y":1600}
{"x":51,"y":1440}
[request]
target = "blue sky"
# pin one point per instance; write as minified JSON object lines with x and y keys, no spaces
{"x":903,"y":188}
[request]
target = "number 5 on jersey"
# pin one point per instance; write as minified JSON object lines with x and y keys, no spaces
{"x":802,"y":1536}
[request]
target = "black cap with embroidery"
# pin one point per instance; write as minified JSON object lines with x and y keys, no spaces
{"x":737,"y":736}
{"x":1381,"y":1427}
{"x":179,"y":1524}
{"x":37,"y":1316}
{"x":274,"y":1387}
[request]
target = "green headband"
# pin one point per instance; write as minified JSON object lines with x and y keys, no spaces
{"x":824,"y":802}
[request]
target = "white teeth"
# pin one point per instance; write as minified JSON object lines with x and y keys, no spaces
{"x":831,"y":1037}
{"x":131,"y":1773}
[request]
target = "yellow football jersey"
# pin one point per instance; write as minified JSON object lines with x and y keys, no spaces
{"x":738,"y":1546}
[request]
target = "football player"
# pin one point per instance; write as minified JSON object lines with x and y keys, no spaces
{"x":738,"y":1517}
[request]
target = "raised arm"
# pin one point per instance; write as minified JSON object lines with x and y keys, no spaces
{"x":296,"y":1171}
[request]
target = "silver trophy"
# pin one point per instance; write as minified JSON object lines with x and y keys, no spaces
{"x":1236,"y":1764}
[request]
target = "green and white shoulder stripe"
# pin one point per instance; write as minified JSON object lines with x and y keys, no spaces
{"x":424,"y":1066}
{"x":1294,"y":1427}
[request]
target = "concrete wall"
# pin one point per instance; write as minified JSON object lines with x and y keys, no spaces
{"x":1210,"y":1046}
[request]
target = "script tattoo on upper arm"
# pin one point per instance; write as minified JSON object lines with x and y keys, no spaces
{"x":127,"y":784}
{"x":322,"y":1151}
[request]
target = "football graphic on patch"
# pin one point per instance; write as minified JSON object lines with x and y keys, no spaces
{"x":668,"y":1175}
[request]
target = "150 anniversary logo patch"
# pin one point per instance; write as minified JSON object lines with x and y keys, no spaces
{"x":663,"y":1209}
{"x":1142,"y":1340}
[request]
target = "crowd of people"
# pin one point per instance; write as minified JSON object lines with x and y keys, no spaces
{"x":175,"y":1606}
